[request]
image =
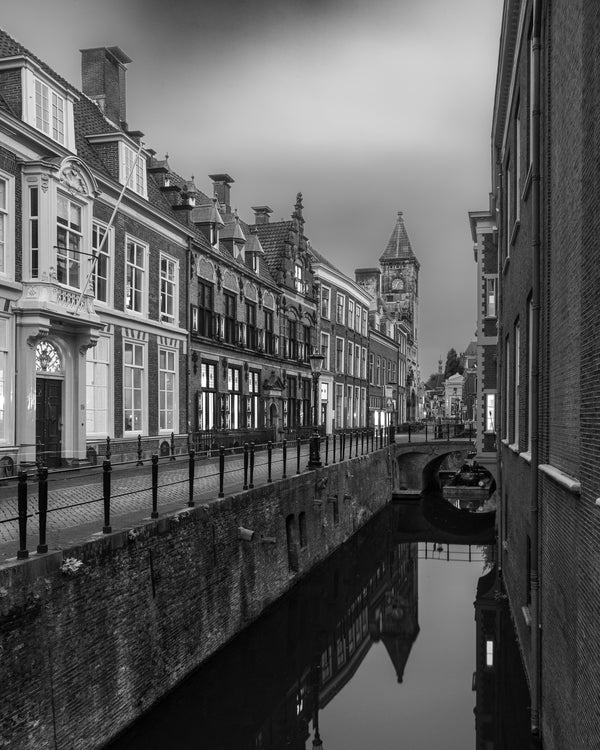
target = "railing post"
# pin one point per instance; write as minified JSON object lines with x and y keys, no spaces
{"x":284,"y":457}
{"x":139,"y":452}
{"x":22,"y":553}
{"x":245,"y":487}
{"x":251,"y":483}
{"x":297,"y":455}
{"x":154,"y":513}
{"x":108,"y":451}
{"x":334,"y":441}
{"x":269,"y":461}
{"x":106,"y":470}
{"x":221,"y":469}
{"x":392,"y":434}
{"x":362,"y":442}
{"x":326,"y":449}
{"x":172,"y":458}
{"x":42,"y":506}
{"x":191,"y":472}
{"x":350,"y":448}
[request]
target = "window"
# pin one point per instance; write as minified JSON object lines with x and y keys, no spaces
{"x":339,"y":355}
{"x":97,"y":388}
{"x":230,"y":317}
{"x":5,"y":374}
{"x":350,"y":369}
{"x":364,"y":322}
{"x":349,"y":391}
{"x":363,"y":369}
{"x":252,"y":411}
{"x":341,"y":307}
{"x":307,"y":346}
{"x":133,"y":387}
{"x":233,"y":399}
{"x":378,"y":379}
{"x":269,"y":337}
{"x":168,"y":290}
{"x":357,"y":320}
{"x":490,"y":297}
{"x":205,"y":309}
{"x":350,"y":313}
{"x":516,"y":381}
{"x":49,"y":111}
{"x":356,"y":361}
{"x":68,"y":242}
{"x":292,"y":402}
{"x":371,"y":369}
{"x":292,"y":340}
{"x":299,"y":284}
{"x":101,"y":272}
{"x":490,"y":410}
{"x":251,"y":332}
{"x":207,"y":398}
{"x":339,"y":398}
{"x":508,"y":204}
{"x":325,"y":302}
{"x":305,"y":413}
{"x":489,"y":653}
{"x":34,"y":231}
{"x":167,"y":390}
{"x":325,"y":350}
{"x":3,"y":223}
{"x":135,"y":276}
{"x":132,"y":169}
{"x":506,"y":388}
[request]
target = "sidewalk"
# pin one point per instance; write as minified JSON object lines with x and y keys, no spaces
{"x":75,"y":502}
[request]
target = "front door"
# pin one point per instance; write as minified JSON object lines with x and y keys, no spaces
{"x":48,"y":421}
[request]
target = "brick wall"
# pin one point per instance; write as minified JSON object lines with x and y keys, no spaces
{"x":83,"y":656}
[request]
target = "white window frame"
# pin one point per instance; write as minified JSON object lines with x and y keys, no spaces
{"x":145,"y":270}
{"x":340,"y":309}
{"x":46,"y":117}
{"x":93,"y":363}
{"x":342,"y":351}
{"x":364,"y":321}
{"x":350,"y":313}
{"x":363,"y":355}
{"x":106,"y":254}
{"x":490,"y":412}
{"x":72,"y":256}
{"x":135,"y":180}
{"x":325,"y":351}
{"x":141,"y":345}
{"x":174,"y":284}
{"x":491,"y":297}
{"x":28,"y":82}
{"x":6,"y":380}
{"x":7,"y":227}
{"x":168,"y":426}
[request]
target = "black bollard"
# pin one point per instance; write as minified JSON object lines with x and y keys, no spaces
{"x":284,"y":457}
{"x":251,"y":482}
{"x":269,"y":461}
{"x":245,"y":487}
{"x":191,"y":472}
{"x":154,"y":513}
{"x":139,"y":451}
{"x":172,"y":458}
{"x":350,"y":447}
{"x":22,"y":553}
{"x":42,"y":506}
{"x":106,"y":470}
{"x":297,"y":455}
{"x":334,"y":441}
{"x":108,"y":453}
{"x":326,"y":450}
{"x":221,"y":469}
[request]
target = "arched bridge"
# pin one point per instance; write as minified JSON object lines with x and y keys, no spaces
{"x":416,"y":468}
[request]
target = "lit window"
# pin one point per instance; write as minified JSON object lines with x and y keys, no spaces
{"x":490,"y":298}
{"x":133,"y":387}
{"x":298,"y":278}
{"x":135,"y":276}
{"x":490,"y":409}
{"x":168,"y":289}
{"x":489,"y":653}
{"x":49,"y":112}
{"x":97,"y":387}
{"x":68,"y":242}
{"x":207,"y":398}
{"x":167,"y":389}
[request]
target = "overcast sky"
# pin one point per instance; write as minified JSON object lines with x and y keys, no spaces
{"x":367,"y":107}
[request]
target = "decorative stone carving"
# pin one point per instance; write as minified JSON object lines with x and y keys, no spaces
{"x":206,"y":269}
{"x":70,"y":176}
{"x":230,"y":281}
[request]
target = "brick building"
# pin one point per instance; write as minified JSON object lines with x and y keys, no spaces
{"x":546,"y":147}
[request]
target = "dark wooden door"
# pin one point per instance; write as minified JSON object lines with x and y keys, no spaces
{"x":48,"y":421}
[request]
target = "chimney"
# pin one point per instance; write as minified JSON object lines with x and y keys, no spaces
{"x":221,"y":189}
{"x":261,"y":214}
{"x":103,"y":75}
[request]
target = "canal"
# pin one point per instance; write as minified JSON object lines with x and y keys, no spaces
{"x":390,"y":643}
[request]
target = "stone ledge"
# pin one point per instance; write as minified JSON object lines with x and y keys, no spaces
{"x":564,"y":480}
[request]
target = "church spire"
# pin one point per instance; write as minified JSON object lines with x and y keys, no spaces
{"x":398,"y":246}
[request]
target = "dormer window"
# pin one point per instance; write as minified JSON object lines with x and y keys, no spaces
{"x":298,"y":278}
{"x":132,"y":169}
{"x":49,"y":111}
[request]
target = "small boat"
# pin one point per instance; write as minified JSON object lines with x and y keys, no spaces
{"x":469,"y":487}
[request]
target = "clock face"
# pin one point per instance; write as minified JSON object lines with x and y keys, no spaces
{"x":397,"y":284}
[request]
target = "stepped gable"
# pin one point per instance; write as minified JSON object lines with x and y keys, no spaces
{"x":398,"y":246}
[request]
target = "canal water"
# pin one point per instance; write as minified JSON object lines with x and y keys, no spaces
{"x":390,"y":643}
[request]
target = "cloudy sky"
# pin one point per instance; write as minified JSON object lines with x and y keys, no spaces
{"x":367,"y":107}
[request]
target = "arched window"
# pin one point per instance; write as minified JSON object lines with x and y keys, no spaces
{"x":47,"y":359}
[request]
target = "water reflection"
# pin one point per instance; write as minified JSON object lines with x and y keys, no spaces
{"x":273,"y":685}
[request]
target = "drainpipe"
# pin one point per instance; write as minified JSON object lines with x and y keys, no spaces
{"x":535,"y":388}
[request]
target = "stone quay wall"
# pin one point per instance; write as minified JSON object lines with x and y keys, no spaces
{"x":87,"y":646}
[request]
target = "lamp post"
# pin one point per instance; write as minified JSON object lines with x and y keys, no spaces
{"x":316,"y":365}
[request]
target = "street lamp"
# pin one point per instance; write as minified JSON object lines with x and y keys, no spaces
{"x":316,"y":365}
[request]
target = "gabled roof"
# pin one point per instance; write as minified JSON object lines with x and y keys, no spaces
{"x":273,"y":237}
{"x":398,"y":246}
